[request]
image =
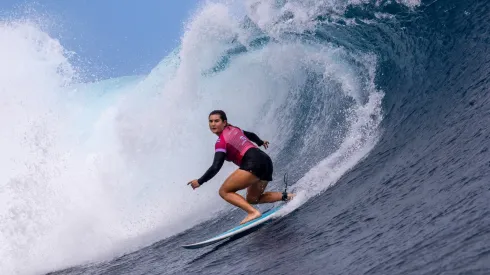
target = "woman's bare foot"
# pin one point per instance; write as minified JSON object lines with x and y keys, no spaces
{"x":251,"y":216}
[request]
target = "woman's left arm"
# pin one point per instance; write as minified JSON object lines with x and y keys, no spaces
{"x":253,"y":137}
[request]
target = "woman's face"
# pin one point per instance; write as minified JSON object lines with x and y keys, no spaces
{"x":216,"y":125}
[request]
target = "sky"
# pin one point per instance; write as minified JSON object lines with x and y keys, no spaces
{"x":111,"y":38}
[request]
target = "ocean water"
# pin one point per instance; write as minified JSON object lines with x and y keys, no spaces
{"x":377,"y":110}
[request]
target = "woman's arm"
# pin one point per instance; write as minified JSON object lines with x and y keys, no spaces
{"x":253,"y":137}
{"x":219,"y":159}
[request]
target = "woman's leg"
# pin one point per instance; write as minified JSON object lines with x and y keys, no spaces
{"x":261,"y":164}
{"x":256,"y":195}
{"x":238,"y":180}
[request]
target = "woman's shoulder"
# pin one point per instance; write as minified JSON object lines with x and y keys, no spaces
{"x":231,"y":127}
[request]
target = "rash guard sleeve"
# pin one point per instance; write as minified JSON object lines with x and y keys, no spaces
{"x":253,"y":137}
{"x":219,"y":159}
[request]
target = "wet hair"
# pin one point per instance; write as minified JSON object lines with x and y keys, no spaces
{"x":221,"y":114}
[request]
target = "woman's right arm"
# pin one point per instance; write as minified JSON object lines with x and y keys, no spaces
{"x":219,"y":159}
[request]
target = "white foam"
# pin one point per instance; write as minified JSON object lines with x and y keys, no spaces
{"x":277,"y":17}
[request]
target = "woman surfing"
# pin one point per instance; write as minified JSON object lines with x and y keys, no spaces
{"x":255,"y":167}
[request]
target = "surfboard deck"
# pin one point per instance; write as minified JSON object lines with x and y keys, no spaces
{"x":266,"y":216}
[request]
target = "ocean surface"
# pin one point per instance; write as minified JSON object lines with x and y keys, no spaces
{"x":379,"y":112}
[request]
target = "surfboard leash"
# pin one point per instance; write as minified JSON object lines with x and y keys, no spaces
{"x":285,"y":193}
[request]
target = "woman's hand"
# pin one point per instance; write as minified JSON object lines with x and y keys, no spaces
{"x":194,"y":184}
{"x":266,"y":144}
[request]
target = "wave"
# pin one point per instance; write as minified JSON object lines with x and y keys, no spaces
{"x":95,"y":170}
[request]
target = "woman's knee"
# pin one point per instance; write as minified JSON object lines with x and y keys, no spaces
{"x":222,"y":192}
{"x":252,"y":199}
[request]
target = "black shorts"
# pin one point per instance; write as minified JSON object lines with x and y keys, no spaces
{"x":258,"y":163}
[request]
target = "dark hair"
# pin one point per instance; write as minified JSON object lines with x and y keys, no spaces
{"x":221,"y":114}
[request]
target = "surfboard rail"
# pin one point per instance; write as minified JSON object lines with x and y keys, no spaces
{"x":266,"y":216}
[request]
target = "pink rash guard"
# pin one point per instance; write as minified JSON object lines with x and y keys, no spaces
{"x":234,"y":143}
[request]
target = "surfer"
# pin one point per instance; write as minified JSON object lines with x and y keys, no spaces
{"x":255,"y":166}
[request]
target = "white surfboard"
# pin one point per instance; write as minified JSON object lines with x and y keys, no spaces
{"x":241,"y":228}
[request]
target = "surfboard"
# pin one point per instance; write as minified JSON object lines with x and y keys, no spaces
{"x":266,"y":216}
